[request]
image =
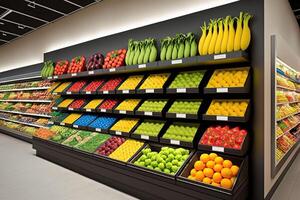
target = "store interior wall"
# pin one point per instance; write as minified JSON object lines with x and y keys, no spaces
{"x":101,"y":19}
{"x":279,"y":21}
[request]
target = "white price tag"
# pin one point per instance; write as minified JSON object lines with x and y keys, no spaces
{"x":173,"y":62}
{"x":54,"y":108}
{"x":181,"y":90}
{"x":49,"y":78}
{"x":218,"y":149}
{"x":118,"y":133}
{"x":91,"y":72}
{"x":62,"y":123}
{"x":103,"y":110}
{"x":88,"y":92}
{"x":219,"y":56}
{"x":105,"y":92}
{"x":98,"y":129}
{"x":149,"y":90}
{"x":75,"y":126}
{"x":222,"y":118}
{"x":141,"y":66}
{"x":70,"y":108}
{"x":122,"y":111}
{"x":180,"y":115}
{"x":55,"y":77}
{"x":112,"y":69}
{"x":88,"y":110}
{"x":148,"y":113}
{"x":74,"y":74}
{"x":145,"y":137}
{"x":176,"y":142}
{"x":55,"y":93}
{"x":125,"y":91}
{"x":50,"y":122}
{"x":69,"y":92}
{"x":222,"y":90}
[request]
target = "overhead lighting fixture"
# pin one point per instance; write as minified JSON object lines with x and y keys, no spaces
{"x":5,"y":14}
{"x":21,"y":27}
{"x":4,"y":34}
{"x":31,"y":4}
{"x":1,"y":23}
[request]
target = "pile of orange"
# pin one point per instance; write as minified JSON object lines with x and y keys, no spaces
{"x":214,"y":170}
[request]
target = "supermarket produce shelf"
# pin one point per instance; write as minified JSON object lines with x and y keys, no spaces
{"x":286,"y":76}
{"x":285,"y":88}
{"x":147,"y":184}
{"x":26,"y":100}
{"x":288,"y":116}
{"x":16,"y":134}
{"x":226,"y":58}
{"x":24,"y":123}
{"x":287,"y":154}
{"x":288,"y":130}
{"x":25,"y":89}
{"x":24,"y":113}
{"x":278,"y":104}
{"x":22,"y":77}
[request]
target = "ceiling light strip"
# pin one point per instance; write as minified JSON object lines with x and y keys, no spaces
{"x":42,"y":6}
{"x":10,"y":33}
{"x":6,"y":20}
{"x":75,"y":4}
{"x":26,"y":15}
{"x":5,"y":14}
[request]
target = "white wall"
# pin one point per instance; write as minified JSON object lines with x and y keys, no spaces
{"x":105,"y":18}
{"x":279,"y":20}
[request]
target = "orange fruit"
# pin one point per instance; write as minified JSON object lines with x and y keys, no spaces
{"x":208,"y":172}
{"x":219,"y":160}
{"x":218,"y":167}
{"x":226,"y":173}
{"x":212,"y":156}
{"x":210,"y":164}
{"x":199,"y":176}
{"x":226,"y":183}
{"x":199,"y":165}
{"x":227,"y":164}
{"x":217,"y":177}
{"x":193,"y":172}
{"x":204,"y":157}
{"x":207,"y":180}
{"x":191,"y":177}
{"x":215,"y":184}
{"x":234,"y":170}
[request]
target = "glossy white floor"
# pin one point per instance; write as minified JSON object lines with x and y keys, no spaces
{"x":27,"y":177}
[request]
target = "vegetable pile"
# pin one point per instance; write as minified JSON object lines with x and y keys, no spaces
{"x":114,"y":59}
{"x":77,"y":65}
{"x":48,"y":69}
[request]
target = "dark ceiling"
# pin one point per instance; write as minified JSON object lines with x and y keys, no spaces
{"x":295,"y":4}
{"x":19,"y":17}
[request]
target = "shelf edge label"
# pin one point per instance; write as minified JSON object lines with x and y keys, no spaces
{"x":74,"y":74}
{"x":122,"y":111}
{"x":54,"y":108}
{"x":148,"y":113}
{"x":149,"y":90}
{"x":50,"y":122}
{"x":118,"y":133}
{"x":180,"y":115}
{"x":103,"y":110}
{"x":219,"y":56}
{"x":105,"y":92}
{"x":112,"y":69}
{"x":142,"y":66}
{"x":174,"y":62}
{"x":222,"y":90}
{"x":91,"y":72}
{"x":176,"y":142}
{"x":55,"y":77}
{"x":69,"y":92}
{"x":98,"y":129}
{"x":145,"y":137}
{"x":75,"y":126}
{"x":181,"y":90}
{"x":88,"y":110}
{"x":218,"y":149}
{"x":70,"y":108}
{"x":222,"y":118}
{"x":88,"y":92}
{"x":125,"y":91}
{"x":62,"y":123}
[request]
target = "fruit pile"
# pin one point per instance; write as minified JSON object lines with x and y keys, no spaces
{"x":103,"y":122}
{"x":111,"y":84}
{"x":150,"y":128}
{"x":187,"y":80}
{"x":281,"y":97}
{"x":92,"y":144}
{"x":48,"y":69}
{"x":71,"y":118}
{"x":155,"y":81}
{"x":53,"y":86}
{"x":108,"y":104}
{"x":285,"y":142}
{"x":114,"y":59}
{"x":288,"y":123}
{"x":281,"y":81}
{"x":153,"y":105}
{"x":77,"y":103}
{"x":185,"y":106}
{"x":62,"y":133}
{"x":96,"y":61}
{"x":61,"y":67}
{"x":126,"y":150}
{"x":76,"y":87}
{"x":224,"y":137}
{"x":44,"y":133}
{"x":110,"y":146}
{"x":128,"y":104}
{"x":85,"y":120}
{"x":65,"y":103}
{"x":77,"y":65}
{"x":131,"y":82}
{"x":182,"y":132}
{"x":58,"y":116}
{"x":76,"y":139}
{"x":93,"y":104}
{"x":286,"y":110}
{"x":222,"y":78}
{"x":62,"y":87}
{"x":124,"y":125}
{"x":167,"y":160}
{"x":93,"y":86}
{"x":228,"y":108}
{"x":214,"y":170}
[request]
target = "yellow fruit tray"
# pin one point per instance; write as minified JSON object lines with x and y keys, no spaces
{"x":130,"y":84}
{"x":53,"y":86}
{"x":231,"y":110}
{"x":154,"y":83}
{"x":92,"y":105}
{"x":62,"y":87}
{"x":128,"y":106}
{"x":129,"y":122}
{"x":233,"y":80}
{"x":70,"y":119}
{"x":65,"y":103}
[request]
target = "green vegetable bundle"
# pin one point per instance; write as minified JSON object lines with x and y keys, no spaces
{"x":140,"y":52}
{"x":48,"y":69}
{"x":181,"y":46}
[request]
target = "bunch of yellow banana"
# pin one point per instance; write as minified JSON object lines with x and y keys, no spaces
{"x":222,"y":35}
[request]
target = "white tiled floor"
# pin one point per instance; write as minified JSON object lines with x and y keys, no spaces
{"x":23,"y":176}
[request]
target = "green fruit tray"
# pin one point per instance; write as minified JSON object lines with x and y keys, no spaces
{"x":197,"y":186}
{"x":122,"y":133}
{"x":231,"y":90}
{"x":131,"y":91}
{"x":155,"y":90}
{"x":185,"y":115}
{"x":128,"y":112}
{"x":180,"y":143}
{"x":150,"y":113}
{"x":148,"y":137}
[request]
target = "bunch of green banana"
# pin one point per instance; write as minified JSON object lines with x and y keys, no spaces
{"x":48,"y":69}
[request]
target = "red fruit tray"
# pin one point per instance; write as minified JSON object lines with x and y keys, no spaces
{"x":77,"y":104}
{"x":110,"y":86}
{"x":108,"y":105}
{"x":76,"y":87}
{"x":92,"y":87}
{"x":231,"y":151}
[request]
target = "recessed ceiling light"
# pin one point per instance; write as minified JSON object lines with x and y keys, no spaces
{"x":20,"y":27}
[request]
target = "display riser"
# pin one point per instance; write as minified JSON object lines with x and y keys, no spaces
{"x":14,"y":134}
{"x":122,"y":177}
